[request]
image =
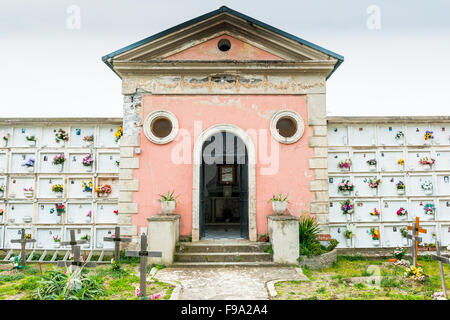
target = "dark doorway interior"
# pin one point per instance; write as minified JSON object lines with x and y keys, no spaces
{"x":224,"y":189}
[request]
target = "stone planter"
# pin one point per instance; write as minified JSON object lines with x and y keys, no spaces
{"x":28,"y":194}
{"x":400,"y":191}
{"x":323,"y":261}
{"x":30,"y":169}
{"x":87,"y":144}
{"x":404,"y":217}
{"x":427,"y":167}
{"x":346,"y":192}
{"x":427,"y":142}
{"x":372,"y":167}
{"x":3,"y":143}
{"x":59,"y":194}
{"x":58,"y":219}
{"x":279,"y":207}
{"x":56,"y":245}
{"x":375,"y":218}
{"x":31,"y":143}
{"x":27,"y":219}
{"x":429,"y":217}
{"x":428,"y":192}
{"x":61,"y":143}
{"x":374,"y":191}
{"x":401,"y":167}
{"x":376,"y":243}
{"x":345,"y":169}
{"x":88,"y":168}
{"x":168,"y":207}
{"x":87,"y":220}
{"x":348,"y":217}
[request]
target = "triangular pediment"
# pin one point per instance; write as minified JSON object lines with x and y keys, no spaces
{"x":223,"y":47}
{"x":197,"y":40}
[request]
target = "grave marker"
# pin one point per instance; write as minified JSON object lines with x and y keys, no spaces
{"x":143,"y":254}
{"x":117,"y":240}
{"x":437,"y":257}
{"x":23,"y":241}
{"x":415,"y":228}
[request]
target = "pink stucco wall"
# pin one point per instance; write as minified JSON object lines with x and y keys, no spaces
{"x":239,"y":50}
{"x":157,"y":173}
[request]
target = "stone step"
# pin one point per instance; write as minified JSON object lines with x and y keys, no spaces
{"x":222,"y":264}
{"x":223,"y":257}
{"x":211,"y":247}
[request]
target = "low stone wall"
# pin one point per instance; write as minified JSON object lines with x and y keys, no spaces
{"x":323,"y":261}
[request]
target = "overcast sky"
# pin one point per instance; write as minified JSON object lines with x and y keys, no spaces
{"x":398,"y":65}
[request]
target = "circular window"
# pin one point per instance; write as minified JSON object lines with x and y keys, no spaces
{"x":224,"y":45}
{"x":287,"y":126}
{"x":161,"y":126}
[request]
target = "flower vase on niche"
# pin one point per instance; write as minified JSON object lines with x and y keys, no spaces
{"x":87,"y":162}
{"x":375,"y":235}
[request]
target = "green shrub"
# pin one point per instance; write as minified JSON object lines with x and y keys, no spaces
{"x":56,"y":285}
{"x":308,"y":230}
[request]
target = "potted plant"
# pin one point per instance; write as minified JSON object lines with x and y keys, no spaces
{"x":88,"y":140}
{"x":426,"y":163}
{"x":58,"y":190}
{"x":87,"y":162}
{"x":168,"y":202}
{"x":400,"y":137}
{"x":375,"y":214}
{"x":345,"y":186}
{"x":85,"y":237}
{"x":375,"y":234}
{"x":56,"y":241}
{"x":398,"y":254}
{"x":402,"y":213}
{"x":400,"y":187}
{"x":348,"y":234}
{"x":345,"y":164}
{"x":88,"y":216}
{"x":28,"y":192}
{"x":347,"y":208}
{"x":429,"y":210}
{"x":427,"y":187}
{"x":263,"y":238}
{"x":401,"y":164}
{"x":59,"y":160}
{"x":4,"y":140}
{"x":373,"y":184}
{"x":2,"y":190}
{"x":428,"y":137}
{"x":103,"y":190}
{"x":118,"y":134}
{"x":279,"y":203}
{"x":372,"y":164}
{"x":31,"y":140}
{"x":61,"y":137}
{"x":404,"y":233}
{"x":60,"y":209}
{"x":87,"y":186}
{"x":29,"y":164}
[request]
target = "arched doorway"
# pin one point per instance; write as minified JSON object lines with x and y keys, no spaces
{"x":224,"y":185}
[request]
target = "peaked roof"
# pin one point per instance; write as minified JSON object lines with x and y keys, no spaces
{"x":106,"y":59}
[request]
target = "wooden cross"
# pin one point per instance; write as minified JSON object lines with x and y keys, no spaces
{"x":73,"y":242}
{"x":77,"y":262}
{"x":76,"y":252}
{"x":143,"y":254}
{"x":441,"y":260}
{"x":23,"y":241}
{"x":117,"y":240}
{"x":415,"y":228}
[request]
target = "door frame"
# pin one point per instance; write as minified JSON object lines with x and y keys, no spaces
{"x":197,"y":158}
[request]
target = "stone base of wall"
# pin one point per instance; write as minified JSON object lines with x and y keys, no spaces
{"x":323,"y":261}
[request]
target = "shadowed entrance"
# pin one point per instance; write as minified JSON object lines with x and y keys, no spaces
{"x":224,"y":188}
